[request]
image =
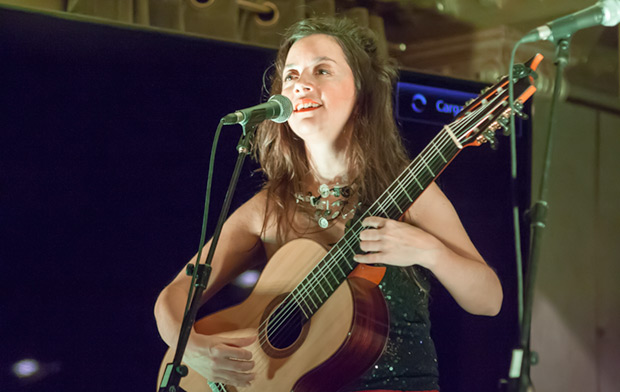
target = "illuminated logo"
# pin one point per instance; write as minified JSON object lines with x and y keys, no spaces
{"x":418,"y":103}
{"x":444,"y":107}
{"x":428,"y":104}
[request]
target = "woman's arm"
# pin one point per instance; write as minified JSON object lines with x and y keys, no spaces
{"x":239,"y":247}
{"x":433,"y":236}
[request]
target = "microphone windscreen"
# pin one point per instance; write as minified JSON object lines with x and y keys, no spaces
{"x":286,"y":108}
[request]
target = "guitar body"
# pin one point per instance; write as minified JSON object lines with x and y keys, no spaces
{"x":339,"y":343}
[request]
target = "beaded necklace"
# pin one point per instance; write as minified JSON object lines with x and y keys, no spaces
{"x":326,"y":211}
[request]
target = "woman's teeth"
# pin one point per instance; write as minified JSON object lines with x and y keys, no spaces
{"x":307,"y":105}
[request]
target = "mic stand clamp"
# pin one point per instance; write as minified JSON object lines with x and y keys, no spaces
{"x":175,"y":371}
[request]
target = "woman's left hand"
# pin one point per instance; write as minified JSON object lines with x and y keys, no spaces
{"x":397,"y":243}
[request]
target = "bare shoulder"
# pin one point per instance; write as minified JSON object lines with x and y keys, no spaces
{"x":251,"y":214}
{"x":434,"y":213}
{"x":430,"y":203}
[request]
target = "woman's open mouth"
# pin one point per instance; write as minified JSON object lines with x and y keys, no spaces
{"x":306,"y":105}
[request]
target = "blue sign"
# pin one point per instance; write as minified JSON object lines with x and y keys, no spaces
{"x":430,"y":105}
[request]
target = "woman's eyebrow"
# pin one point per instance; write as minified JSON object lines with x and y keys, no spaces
{"x":314,"y":62}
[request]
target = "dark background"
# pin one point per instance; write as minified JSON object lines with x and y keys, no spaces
{"x":105,"y":135}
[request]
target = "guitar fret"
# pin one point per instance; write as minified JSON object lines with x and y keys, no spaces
{"x":453,"y":137}
{"x":405,"y":191}
{"x":319,"y":297}
{"x":346,"y":259}
{"x":326,"y":280}
{"x":427,"y":166}
{"x":341,"y":271}
{"x":310,"y":296}
{"x":381,"y":207}
{"x":325,"y":270}
{"x":412,"y":174}
{"x":311,"y":306}
{"x":325,"y":292}
{"x":439,"y":151}
{"x":420,"y":185}
{"x":334,"y":275}
{"x":415,"y":178}
{"x":299,"y":303}
{"x":394,"y":201}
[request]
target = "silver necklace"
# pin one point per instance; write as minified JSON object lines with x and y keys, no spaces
{"x":326,"y":211}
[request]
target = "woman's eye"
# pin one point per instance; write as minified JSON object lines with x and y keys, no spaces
{"x":288,"y":78}
{"x":323,"y":72}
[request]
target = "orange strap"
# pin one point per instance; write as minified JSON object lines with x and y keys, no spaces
{"x":370,"y":273}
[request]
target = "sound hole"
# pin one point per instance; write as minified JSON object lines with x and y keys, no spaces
{"x":284,"y":327}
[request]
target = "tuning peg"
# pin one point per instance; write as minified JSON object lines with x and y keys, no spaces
{"x":518,"y":106}
{"x":503,"y":122}
{"x":520,"y":114}
{"x":523,"y":115}
{"x":490,"y":137}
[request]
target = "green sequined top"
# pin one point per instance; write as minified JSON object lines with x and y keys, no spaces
{"x":409,"y":360}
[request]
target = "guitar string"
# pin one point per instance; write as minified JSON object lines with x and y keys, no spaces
{"x":417,"y":170}
{"x":219,"y":387}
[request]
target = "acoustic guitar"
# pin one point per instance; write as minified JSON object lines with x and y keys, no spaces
{"x":318,"y":329}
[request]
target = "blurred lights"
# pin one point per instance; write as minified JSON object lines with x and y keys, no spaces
{"x":30,"y":370}
{"x":26,"y":368}
{"x":247,"y":279}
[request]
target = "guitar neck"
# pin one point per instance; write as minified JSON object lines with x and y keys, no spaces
{"x":334,"y":268}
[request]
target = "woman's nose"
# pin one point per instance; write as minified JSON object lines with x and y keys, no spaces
{"x":303,"y":84}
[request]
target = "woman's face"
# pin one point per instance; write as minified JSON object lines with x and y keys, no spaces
{"x":320,"y":84}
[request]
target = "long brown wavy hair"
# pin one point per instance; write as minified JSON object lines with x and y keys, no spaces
{"x":376,"y":155}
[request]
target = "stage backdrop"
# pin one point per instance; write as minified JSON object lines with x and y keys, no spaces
{"x":104,"y":147}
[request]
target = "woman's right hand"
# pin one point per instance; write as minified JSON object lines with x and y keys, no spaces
{"x":221,"y":359}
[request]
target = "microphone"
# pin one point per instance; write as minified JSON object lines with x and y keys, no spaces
{"x":605,"y":12}
{"x":278,"y":109}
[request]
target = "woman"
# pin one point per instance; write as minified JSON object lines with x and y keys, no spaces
{"x":339,"y":150}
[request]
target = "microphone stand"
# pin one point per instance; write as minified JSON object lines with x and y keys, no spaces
{"x":523,"y":357}
{"x":175,"y":371}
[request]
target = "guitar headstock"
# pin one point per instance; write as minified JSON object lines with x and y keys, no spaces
{"x":490,"y":111}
